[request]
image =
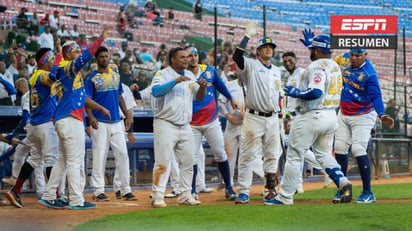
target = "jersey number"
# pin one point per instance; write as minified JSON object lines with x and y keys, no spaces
{"x":335,"y":86}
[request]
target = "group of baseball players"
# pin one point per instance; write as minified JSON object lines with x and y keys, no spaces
{"x":321,"y":99}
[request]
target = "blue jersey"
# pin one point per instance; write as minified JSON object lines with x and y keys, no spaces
{"x":69,"y":86}
{"x":205,"y":110}
{"x":42,"y":103}
{"x":361,"y":92}
{"x":105,"y":88}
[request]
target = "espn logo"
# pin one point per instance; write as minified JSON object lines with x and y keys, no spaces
{"x":364,"y":24}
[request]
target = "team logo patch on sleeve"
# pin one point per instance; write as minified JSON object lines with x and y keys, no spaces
{"x":317,"y":79}
{"x":361,"y":77}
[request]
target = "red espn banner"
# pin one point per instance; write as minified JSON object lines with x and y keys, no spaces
{"x":364,"y":24}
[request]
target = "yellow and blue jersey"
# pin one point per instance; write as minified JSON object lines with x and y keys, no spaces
{"x":205,"y":110}
{"x":42,"y":103}
{"x":105,"y":88}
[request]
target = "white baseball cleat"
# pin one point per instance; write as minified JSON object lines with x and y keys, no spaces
{"x":158,"y":203}
{"x":188,"y":201}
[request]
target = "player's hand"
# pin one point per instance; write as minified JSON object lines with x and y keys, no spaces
{"x":182,"y":78}
{"x":106,"y":112}
{"x":88,"y":131}
{"x":131,"y":138}
{"x":308,"y":35}
{"x":134,"y":87}
{"x":93,"y":122}
{"x":234,"y":104}
{"x":202,"y":82}
{"x":251,"y":29}
{"x":291,"y":91}
{"x":387,"y":120}
{"x":234,"y":119}
{"x":105,"y":32}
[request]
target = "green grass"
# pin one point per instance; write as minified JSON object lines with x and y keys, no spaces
{"x":376,"y":216}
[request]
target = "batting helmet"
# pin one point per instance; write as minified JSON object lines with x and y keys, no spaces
{"x":321,"y":42}
{"x":264,"y":41}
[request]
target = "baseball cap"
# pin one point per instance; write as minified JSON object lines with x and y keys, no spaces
{"x":358,"y":51}
{"x":56,"y":12}
{"x":124,"y":43}
{"x":191,"y":50}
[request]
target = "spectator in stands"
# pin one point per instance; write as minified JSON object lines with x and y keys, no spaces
{"x":31,"y":64}
{"x":146,"y":56}
{"x":54,"y":20}
{"x":34,"y":24}
{"x":392,"y":111}
{"x":74,"y":33}
{"x":22,"y":20}
{"x":136,"y":54}
{"x":252,"y":52}
{"x":46,"y":38}
{"x":150,"y":6}
{"x":197,"y":10}
{"x":127,"y":58}
{"x":158,"y":20}
{"x":161,"y":51}
{"x":123,"y":49}
{"x":170,"y":15}
{"x":142,"y":81}
{"x":161,"y":61}
{"x":82,"y":41}
{"x":116,"y":60}
{"x":63,"y":33}
{"x":126,"y":75}
{"x":6,"y":88}
{"x":122,"y":29}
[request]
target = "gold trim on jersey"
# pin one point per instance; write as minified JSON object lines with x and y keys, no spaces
{"x":331,"y":102}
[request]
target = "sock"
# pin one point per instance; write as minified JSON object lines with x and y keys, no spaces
{"x":365,"y":172}
{"x":342,"y":160}
{"x":48,"y":172}
{"x":225,"y":172}
{"x":25,"y":172}
{"x":194,"y":179}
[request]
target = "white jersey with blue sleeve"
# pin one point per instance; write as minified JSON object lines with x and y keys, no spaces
{"x":175,"y":106}
{"x":325,"y":75}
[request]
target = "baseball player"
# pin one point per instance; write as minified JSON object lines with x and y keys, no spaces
{"x":260,"y":124}
{"x":294,"y":75}
{"x":31,"y":144}
{"x":173,"y":90}
{"x":315,"y":123}
{"x":234,"y":118}
{"x":130,"y":103}
{"x":105,"y":88}
{"x":360,"y":105}
{"x":205,"y":120}
{"x":69,"y":124}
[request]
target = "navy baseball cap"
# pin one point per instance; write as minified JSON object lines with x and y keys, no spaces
{"x":124,"y":43}
{"x":358,"y":51}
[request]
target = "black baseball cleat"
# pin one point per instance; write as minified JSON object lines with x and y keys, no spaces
{"x":346,"y":194}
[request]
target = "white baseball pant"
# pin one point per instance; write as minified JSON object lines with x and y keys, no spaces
{"x":259,"y":133}
{"x":172,"y":139}
{"x":72,"y":151}
{"x":109,"y":134}
{"x":312,"y":129}
{"x":355,"y":131}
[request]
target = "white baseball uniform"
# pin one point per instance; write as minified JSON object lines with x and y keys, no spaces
{"x":314,"y":126}
{"x":130,"y":104}
{"x":260,"y":124}
{"x":172,"y":131}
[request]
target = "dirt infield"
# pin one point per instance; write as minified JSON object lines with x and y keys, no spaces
{"x":35,"y":217}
